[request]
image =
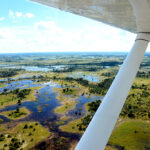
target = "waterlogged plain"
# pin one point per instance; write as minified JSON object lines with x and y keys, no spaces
{"x":16,"y":114}
{"x":40,"y":104}
{"x":48,"y":101}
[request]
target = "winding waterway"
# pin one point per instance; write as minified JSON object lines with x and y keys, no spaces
{"x":46,"y":101}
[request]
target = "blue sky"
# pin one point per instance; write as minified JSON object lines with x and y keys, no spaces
{"x":30,"y":27}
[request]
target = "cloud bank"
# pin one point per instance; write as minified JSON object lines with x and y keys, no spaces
{"x":47,"y":36}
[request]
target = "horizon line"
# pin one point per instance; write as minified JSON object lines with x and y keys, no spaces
{"x":65,"y":52}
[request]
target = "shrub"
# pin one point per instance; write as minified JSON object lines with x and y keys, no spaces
{"x":25,"y":126}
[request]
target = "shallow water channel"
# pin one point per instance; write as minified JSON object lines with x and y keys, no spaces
{"x":89,"y":77}
{"x":47,"y":101}
{"x":35,"y":68}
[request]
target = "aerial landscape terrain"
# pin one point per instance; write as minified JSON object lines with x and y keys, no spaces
{"x":48,"y":99}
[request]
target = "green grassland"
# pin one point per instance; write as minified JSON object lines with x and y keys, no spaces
{"x":25,"y":135}
{"x":68,"y":95}
{"x":66,"y":106}
{"x":72,"y":127}
{"x":1,"y":120}
{"x":2,"y":85}
{"x":132,"y":135}
{"x":9,"y":98}
{"x":14,"y":115}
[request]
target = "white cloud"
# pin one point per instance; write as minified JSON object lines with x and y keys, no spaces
{"x":48,"y":27}
{"x":2,"y":18}
{"x":15,"y":15}
{"x":48,"y":36}
{"x":29,"y":15}
{"x":18,"y":14}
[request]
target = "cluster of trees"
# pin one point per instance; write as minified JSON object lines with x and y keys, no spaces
{"x":21,"y":93}
{"x":92,"y":107}
{"x":68,"y":69}
{"x":110,"y":63}
{"x":109,"y":74}
{"x":2,"y":137}
{"x":92,"y":69}
{"x":79,"y":80}
{"x":88,"y":66}
{"x":102,"y":87}
{"x":18,"y":94}
{"x":9,"y":72}
{"x":26,"y":126}
{"x":16,"y":113}
{"x":143,"y":74}
{"x":96,"y":66}
{"x":141,"y":87}
{"x":78,"y":67}
{"x":137,"y":104}
{"x":85,"y":122}
{"x":40,"y":78}
{"x":104,"y":63}
{"x":144,"y":64}
{"x":135,"y":111}
{"x":99,"y":88}
{"x":82,"y":81}
{"x":14,"y":143}
{"x":67,"y":90}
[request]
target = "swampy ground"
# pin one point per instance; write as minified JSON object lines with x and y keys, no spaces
{"x":47,"y":100}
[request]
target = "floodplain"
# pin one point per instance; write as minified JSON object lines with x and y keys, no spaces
{"x":48,"y":99}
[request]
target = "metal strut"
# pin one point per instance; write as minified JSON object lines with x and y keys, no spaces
{"x":100,"y":128}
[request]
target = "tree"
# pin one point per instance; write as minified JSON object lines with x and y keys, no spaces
{"x":5,"y":90}
{"x":19,"y":102}
{"x":15,"y":144}
{"x":17,"y":110}
{"x":2,"y":137}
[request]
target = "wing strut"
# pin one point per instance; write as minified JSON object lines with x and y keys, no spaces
{"x":100,"y":128}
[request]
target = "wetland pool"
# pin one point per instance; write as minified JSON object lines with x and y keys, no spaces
{"x":89,"y":77}
{"x":42,"y":110}
{"x":35,"y":68}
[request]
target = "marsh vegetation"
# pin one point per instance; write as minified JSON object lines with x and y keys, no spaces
{"x":48,"y":100}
